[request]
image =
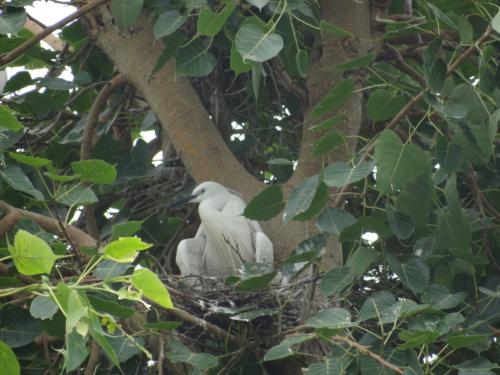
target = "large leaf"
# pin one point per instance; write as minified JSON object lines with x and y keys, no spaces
{"x":180,"y":353}
{"x":439,"y":297}
{"x":95,"y":171}
{"x":335,"y":98}
{"x":31,"y":254}
{"x":75,"y":352}
{"x":361,"y":260}
{"x":413,"y":273}
{"x":125,"y":249}
{"x":77,"y":195}
{"x":331,"y":318}
{"x":8,"y":360}
{"x":374,"y":305}
{"x":446,"y":107}
{"x":17,"y":180}
{"x":401,"y":225}
{"x":340,"y":174}
{"x":477,"y":366}
{"x":384,"y":104}
{"x":35,"y":162}
{"x":12,"y":21}
{"x":256,"y":44}
{"x":284,"y":349}
{"x":266,"y":205}
{"x":398,"y":164}
{"x":167,"y":23}
{"x":8,"y":120}
{"x":301,"y":198}
{"x":210,"y":23}
{"x":335,"y":220}
{"x":330,"y":366}
{"x":43,"y":307}
{"x":152,"y":287}
{"x":336,"y":281}
{"x":450,"y":156}
{"x":194,"y":60}
{"x":20,"y":330}
{"x":328,"y":142}
{"x":126,"y":12}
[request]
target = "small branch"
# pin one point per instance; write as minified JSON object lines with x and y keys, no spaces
{"x":161,"y":355}
{"x":88,"y":138}
{"x":37,"y":27}
{"x":212,"y":328}
{"x":8,"y":221}
{"x":454,"y":65}
{"x":364,"y":350}
{"x":95,"y":353}
{"x":404,"y":67}
{"x":77,"y":236}
{"x":15,"y":53}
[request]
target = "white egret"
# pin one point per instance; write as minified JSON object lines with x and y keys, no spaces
{"x":225,"y":239}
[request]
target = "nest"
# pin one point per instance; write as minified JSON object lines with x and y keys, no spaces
{"x":248,"y":316}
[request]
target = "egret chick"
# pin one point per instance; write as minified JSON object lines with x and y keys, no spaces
{"x":225,"y":239}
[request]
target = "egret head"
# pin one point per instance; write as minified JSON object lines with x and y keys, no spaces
{"x":207,"y":190}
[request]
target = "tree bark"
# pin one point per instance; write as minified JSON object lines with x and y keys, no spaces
{"x":195,"y":136}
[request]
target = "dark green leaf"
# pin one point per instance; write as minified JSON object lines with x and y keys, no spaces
{"x":238,"y":66}
{"x":167,"y":23}
{"x":266,"y":205}
{"x":361,"y":260}
{"x":449,"y":155}
{"x":447,"y":108}
{"x":259,"y":3}
{"x":255,"y":44}
{"x":194,"y":60}
{"x":401,"y":225}
{"x":126,"y":12}
{"x":210,"y":23}
{"x":340,"y":93}
{"x":180,"y":353}
{"x":35,"y":162}
{"x":126,"y":229}
{"x":302,"y":61}
{"x":17,"y":180}
{"x":8,"y":120}
{"x":95,"y":171}
{"x":328,"y":142}
{"x":284,"y":349}
{"x":329,"y":123}
{"x":166,"y":325}
{"x":384,"y":104}
{"x":12,"y":21}
{"x":415,"y":339}
{"x":76,"y":195}
{"x":374,"y":305}
{"x":360,"y":62}
{"x":301,"y":198}
{"x":335,"y":220}
{"x":110,"y":307}
{"x":340,"y":174}
{"x":55,"y":83}
{"x":172,"y":43}
{"x":256,"y":282}
{"x":413,"y":273}
{"x":466,"y":341}
{"x":477,"y":366}
{"x":331,"y":28}
{"x":336,"y":281}
{"x":318,"y":203}
{"x":439,"y":297}
{"x":332,"y":318}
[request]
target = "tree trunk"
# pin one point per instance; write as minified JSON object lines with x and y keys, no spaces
{"x":187,"y":123}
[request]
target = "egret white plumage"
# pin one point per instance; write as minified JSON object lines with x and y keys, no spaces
{"x":225,"y":239}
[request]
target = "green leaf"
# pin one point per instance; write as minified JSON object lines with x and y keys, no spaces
{"x":340,"y":174}
{"x":31,"y":255}
{"x":8,"y":360}
{"x":266,"y":205}
{"x":108,"y":269}
{"x":332,"y":318}
{"x":384,"y":104}
{"x":55,"y":83}
{"x":495,"y":22}
{"x":318,"y":203}
{"x":302,"y":62}
{"x":125,"y":249}
{"x":399,"y":310}
{"x":180,"y":353}
{"x":8,"y":120}
{"x":21,"y":330}
{"x":361,"y":260}
{"x":336,"y":281}
{"x":330,"y":366}
{"x":413,"y":273}
{"x":398,"y":164}
{"x":210,"y":23}
{"x":331,"y":28}
{"x":284,"y":349}
{"x":329,"y":123}
{"x":110,"y":307}
{"x":43,"y":307}
{"x":339,"y":94}
{"x":17,"y":180}
{"x":172,"y":44}
{"x":77,"y":195}
{"x":152,"y":287}
{"x":374,"y":305}
{"x":449,"y":155}
{"x":236,"y":62}
{"x":256,"y":282}
{"x":95,"y":171}
{"x":447,"y":108}
{"x":77,"y":314}
{"x":401,"y":225}
{"x":75,"y":352}
{"x":35,"y":162}
{"x":301,"y":198}
{"x":126,"y":12}
{"x":255,"y":44}
{"x":439,"y":297}
{"x":477,"y":366}
{"x":360,"y":62}
{"x":417,"y":209}
{"x":335,"y":220}
{"x":126,"y":347}
{"x":328,"y":142}
{"x":59,"y":178}
{"x":415,"y":339}
{"x":126,"y":229}
{"x":466,"y":341}
{"x":194,"y":60}
{"x":167,"y":23}
{"x":12,"y":21}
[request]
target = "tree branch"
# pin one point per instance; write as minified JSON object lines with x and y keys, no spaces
{"x":15,"y":53}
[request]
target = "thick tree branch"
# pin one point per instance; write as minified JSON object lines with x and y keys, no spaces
{"x":78,"y":237}
{"x":15,"y":53}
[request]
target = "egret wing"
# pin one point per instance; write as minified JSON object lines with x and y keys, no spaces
{"x":189,"y":257}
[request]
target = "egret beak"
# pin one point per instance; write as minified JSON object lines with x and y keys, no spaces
{"x":180,"y":202}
